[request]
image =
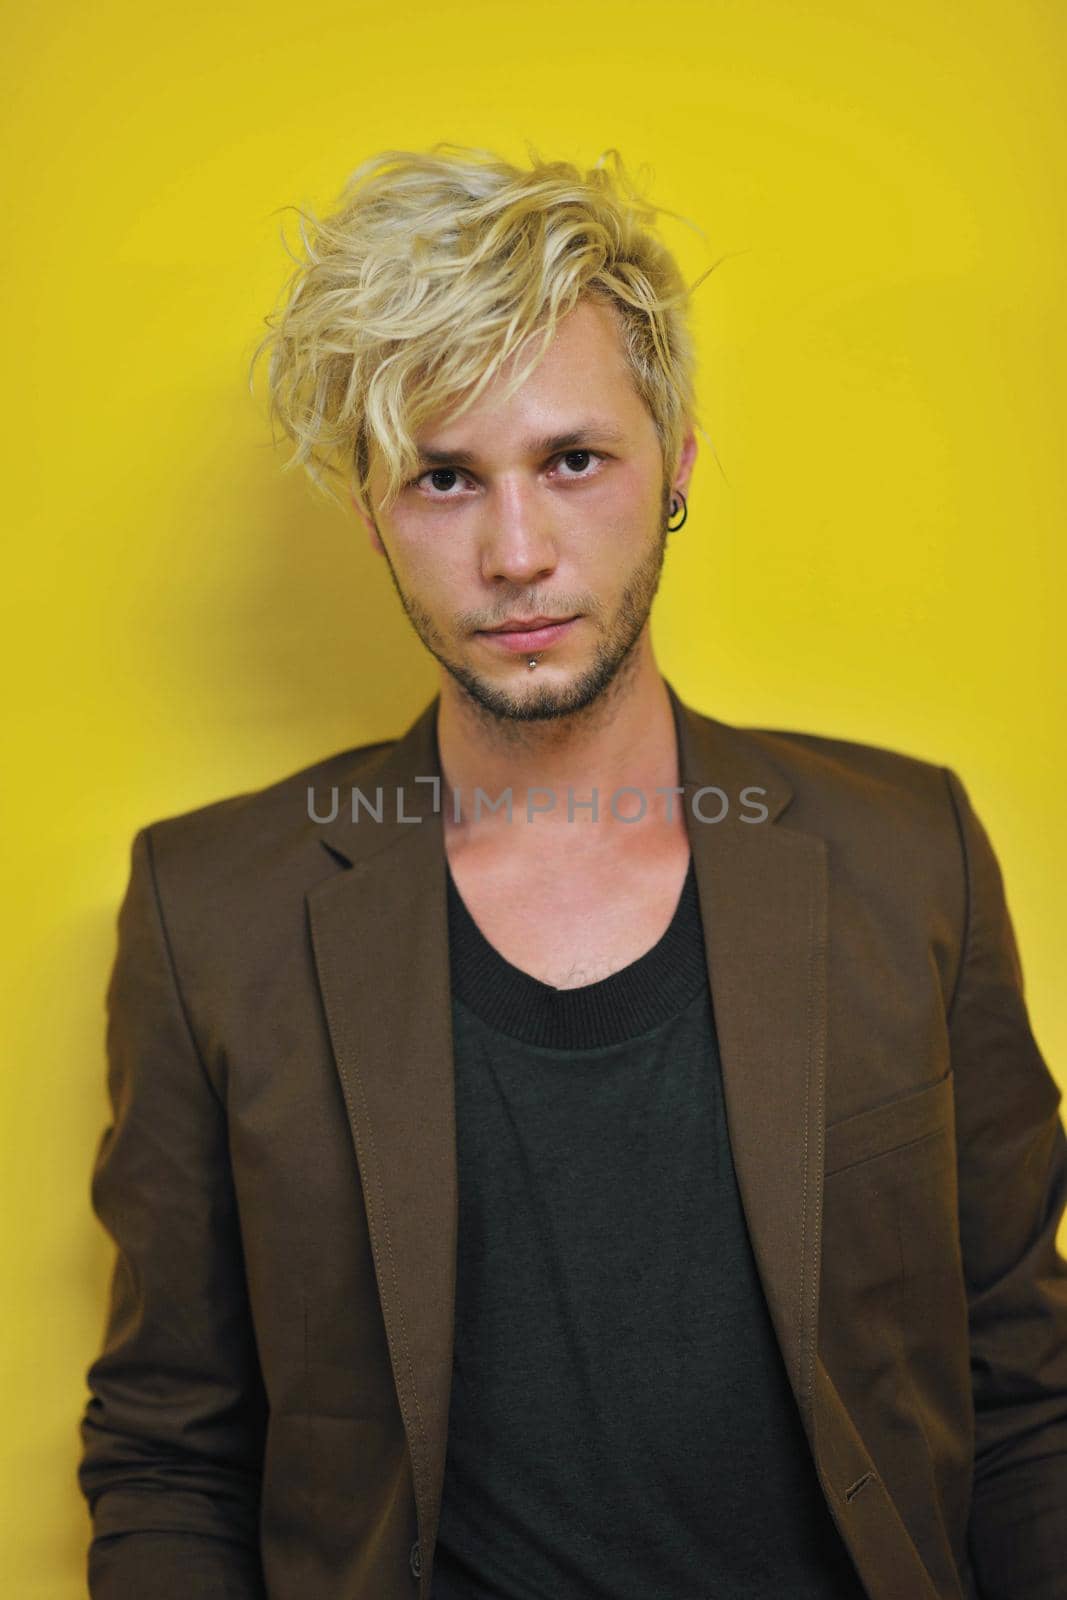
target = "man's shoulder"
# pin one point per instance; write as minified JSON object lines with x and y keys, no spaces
{"x":830,"y":759}
{"x":889,"y":819}
{"x":270,"y":818}
{"x":844,"y":786}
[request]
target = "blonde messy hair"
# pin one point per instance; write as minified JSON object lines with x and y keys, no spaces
{"x":434,"y":269}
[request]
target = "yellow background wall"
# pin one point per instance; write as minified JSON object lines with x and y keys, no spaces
{"x":881,"y":555}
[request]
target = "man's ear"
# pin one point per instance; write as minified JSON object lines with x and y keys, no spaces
{"x":369,"y":523}
{"x":686,"y":457}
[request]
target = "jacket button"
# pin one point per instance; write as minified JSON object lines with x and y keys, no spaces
{"x":415,"y":1558}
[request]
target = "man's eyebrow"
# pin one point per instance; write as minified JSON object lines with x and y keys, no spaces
{"x":586,"y":435}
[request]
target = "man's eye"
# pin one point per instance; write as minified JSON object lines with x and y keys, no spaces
{"x":578,"y":460}
{"x":442,"y":478}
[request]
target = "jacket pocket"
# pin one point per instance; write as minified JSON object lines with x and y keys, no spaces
{"x":889,"y":1126}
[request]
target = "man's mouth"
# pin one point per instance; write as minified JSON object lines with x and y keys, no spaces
{"x":533,"y":633}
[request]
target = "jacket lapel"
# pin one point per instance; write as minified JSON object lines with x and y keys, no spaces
{"x":764,"y":898}
{"x":763,"y":901}
{"x":379,"y":935}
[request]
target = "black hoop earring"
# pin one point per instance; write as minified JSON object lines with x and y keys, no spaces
{"x":676,"y":496}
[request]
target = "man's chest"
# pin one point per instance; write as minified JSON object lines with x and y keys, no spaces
{"x":576,"y":920}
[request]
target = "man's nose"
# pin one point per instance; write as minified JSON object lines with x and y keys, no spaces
{"x":518,"y":540}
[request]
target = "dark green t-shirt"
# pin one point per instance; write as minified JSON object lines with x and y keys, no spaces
{"x":621,"y":1424}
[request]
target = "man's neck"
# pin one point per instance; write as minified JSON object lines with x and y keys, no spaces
{"x":625,"y":739}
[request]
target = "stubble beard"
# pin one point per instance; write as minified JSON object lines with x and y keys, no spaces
{"x":611,"y":668}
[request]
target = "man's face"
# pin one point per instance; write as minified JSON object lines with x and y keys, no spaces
{"x":552,"y":503}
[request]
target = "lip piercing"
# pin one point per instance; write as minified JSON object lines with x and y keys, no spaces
{"x":532,"y":663}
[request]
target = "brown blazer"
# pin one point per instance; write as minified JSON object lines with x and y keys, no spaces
{"x":268,"y":1411}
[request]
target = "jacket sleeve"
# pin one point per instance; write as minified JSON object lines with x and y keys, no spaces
{"x":172,"y":1434}
{"x":1012,"y":1153}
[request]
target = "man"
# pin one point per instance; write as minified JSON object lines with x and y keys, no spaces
{"x":579,"y":1148}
